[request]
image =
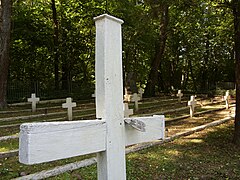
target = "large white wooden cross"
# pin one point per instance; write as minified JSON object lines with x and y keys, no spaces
{"x":69,"y":105}
{"x":192,"y":103}
{"x":108,"y":135}
{"x":34,"y":100}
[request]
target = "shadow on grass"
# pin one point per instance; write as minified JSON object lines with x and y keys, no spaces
{"x":208,"y":154}
{"x":205,"y":155}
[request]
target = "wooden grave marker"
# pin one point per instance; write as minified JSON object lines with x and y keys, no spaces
{"x":108,"y":135}
{"x":192,"y":103}
{"x":135,"y":98}
{"x":179,"y":95}
{"x":69,"y":105}
{"x":227,"y":98}
{"x":127,"y":111}
{"x":34,"y":100}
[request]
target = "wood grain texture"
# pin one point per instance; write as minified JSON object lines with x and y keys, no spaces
{"x":154,"y":129}
{"x":109,"y":96}
{"x":72,"y":166}
{"x":44,"y":142}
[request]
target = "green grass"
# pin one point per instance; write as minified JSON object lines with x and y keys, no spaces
{"x":208,"y":155}
{"x":205,"y":155}
{"x":11,"y":144}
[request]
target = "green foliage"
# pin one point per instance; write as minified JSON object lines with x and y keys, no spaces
{"x":198,"y":53}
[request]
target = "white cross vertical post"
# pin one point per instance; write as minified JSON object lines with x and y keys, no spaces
{"x":192,"y":104}
{"x":34,"y":101}
{"x":135,"y":99}
{"x":127,"y":111}
{"x":226,"y":98}
{"x":179,"y":95}
{"x":109,"y":98}
{"x":69,"y":105}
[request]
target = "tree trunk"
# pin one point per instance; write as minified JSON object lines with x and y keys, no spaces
{"x":153,"y":76}
{"x":236,"y":14}
{"x":56,"y":44}
{"x":5,"y":33}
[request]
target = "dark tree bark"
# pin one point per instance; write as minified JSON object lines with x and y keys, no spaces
{"x":159,"y":54}
{"x":5,"y":33}
{"x":56,"y":45}
{"x":236,"y":14}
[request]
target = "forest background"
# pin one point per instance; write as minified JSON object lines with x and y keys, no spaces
{"x":47,"y":46}
{"x":186,"y":45}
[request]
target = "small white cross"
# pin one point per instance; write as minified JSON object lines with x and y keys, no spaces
{"x":192,"y":104}
{"x":226,"y":98}
{"x":179,"y":95}
{"x":69,"y":105}
{"x":141,"y":93}
{"x":34,"y":101}
{"x":135,"y":99}
{"x":127,"y":111}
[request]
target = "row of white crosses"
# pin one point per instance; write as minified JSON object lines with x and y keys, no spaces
{"x":192,"y":103}
{"x":110,"y":133}
{"x":69,"y":104}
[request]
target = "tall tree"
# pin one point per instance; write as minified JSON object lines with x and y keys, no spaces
{"x":160,"y":47}
{"x":5,"y":32}
{"x":56,"y":44}
{"x":236,"y":14}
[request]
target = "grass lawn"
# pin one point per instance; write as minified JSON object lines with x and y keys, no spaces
{"x":208,"y":154}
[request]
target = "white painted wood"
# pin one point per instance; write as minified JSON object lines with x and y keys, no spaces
{"x":135,"y":99}
{"x":227,"y":98}
{"x":76,"y":165}
{"x":49,"y":141}
{"x":34,"y":100}
{"x":69,"y":105}
{"x":179,"y":95}
{"x":58,"y":170}
{"x":154,"y":129}
{"x":109,"y":98}
{"x":44,"y":142}
{"x":127,"y":111}
{"x":192,"y":103}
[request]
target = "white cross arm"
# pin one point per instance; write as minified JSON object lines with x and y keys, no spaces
{"x":154,"y":128}
{"x":49,"y":141}
{"x":44,"y":142}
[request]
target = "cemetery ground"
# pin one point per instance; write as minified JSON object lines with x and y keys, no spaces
{"x":203,"y":155}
